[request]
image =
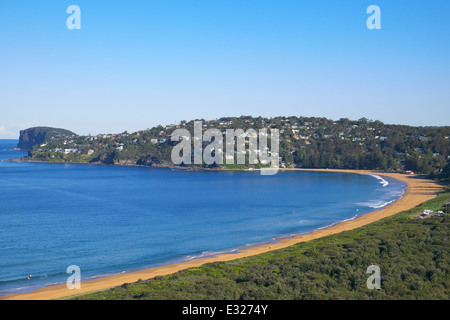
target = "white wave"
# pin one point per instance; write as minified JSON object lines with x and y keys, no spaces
{"x":188,"y":258}
{"x":375,"y":204}
{"x":337,"y":222}
{"x":206,"y":254}
{"x":352,"y":218}
{"x":383,"y":182}
{"x":328,"y":226}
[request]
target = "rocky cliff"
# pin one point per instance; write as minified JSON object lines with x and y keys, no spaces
{"x":33,"y":136}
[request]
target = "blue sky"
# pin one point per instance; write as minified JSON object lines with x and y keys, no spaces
{"x":137,"y":64}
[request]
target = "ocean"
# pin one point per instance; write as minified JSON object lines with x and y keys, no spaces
{"x":112,"y":219}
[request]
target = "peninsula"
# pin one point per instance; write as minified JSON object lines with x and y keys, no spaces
{"x":305,"y":142}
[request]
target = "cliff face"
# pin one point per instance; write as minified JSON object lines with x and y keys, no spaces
{"x":33,"y":136}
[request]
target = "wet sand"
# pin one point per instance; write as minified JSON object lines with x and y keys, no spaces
{"x":418,"y":191}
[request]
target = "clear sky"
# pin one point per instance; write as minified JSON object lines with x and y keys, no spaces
{"x":136,"y":64}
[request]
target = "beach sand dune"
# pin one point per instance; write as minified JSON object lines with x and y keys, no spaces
{"x":418,"y":191}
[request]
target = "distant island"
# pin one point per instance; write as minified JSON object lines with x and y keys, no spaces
{"x":305,"y":142}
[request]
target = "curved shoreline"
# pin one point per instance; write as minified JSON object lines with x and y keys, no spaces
{"x":418,"y":191}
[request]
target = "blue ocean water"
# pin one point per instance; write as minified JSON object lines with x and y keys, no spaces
{"x":110,"y":219}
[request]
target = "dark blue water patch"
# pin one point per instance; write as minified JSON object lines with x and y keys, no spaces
{"x":109,"y":219}
{"x":7,"y":151}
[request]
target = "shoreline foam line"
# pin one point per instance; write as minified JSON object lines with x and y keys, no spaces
{"x":383,"y":182}
{"x":418,"y":191}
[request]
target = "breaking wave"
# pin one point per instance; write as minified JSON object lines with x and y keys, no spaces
{"x":376,"y":204}
{"x":383,"y":182}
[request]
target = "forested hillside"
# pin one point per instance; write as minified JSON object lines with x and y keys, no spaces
{"x":304,"y":142}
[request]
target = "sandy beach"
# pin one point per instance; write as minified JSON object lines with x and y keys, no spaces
{"x":418,"y":191}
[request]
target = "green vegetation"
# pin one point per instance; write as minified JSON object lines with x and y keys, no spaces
{"x":304,"y":142}
{"x":413,"y":255}
{"x":40,"y":135}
